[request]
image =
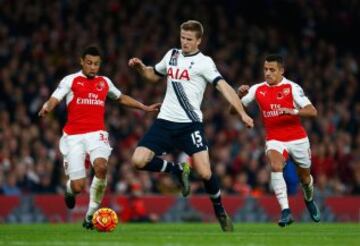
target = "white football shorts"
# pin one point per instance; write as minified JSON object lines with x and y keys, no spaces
{"x":75,"y":147}
{"x":298,"y":150}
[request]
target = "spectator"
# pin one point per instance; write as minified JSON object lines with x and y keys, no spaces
{"x":10,"y":188}
{"x":134,"y":209}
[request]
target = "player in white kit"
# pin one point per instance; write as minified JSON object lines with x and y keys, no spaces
{"x":84,"y":132}
{"x":179,"y":123}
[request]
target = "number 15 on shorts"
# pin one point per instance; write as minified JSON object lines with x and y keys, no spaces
{"x":197,"y":139}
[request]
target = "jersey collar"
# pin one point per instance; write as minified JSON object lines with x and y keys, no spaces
{"x":281,"y":82}
{"x":83,"y":75}
{"x":193,"y":54}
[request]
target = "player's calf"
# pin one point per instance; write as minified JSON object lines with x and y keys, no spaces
{"x":141,"y":157}
{"x":73,"y":187}
{"x":138,"y":162}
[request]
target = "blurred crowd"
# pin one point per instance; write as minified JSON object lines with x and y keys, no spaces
{"x":41,"y":41}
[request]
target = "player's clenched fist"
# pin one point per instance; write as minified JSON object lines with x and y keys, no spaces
{"x":44,"y":111}
{"x":247,"y":120}
{"x":243,"y":90}
{"x":135,"y":63}
{"x":153,"y":107}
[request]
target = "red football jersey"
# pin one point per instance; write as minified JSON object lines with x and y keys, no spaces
{"x":286,"y":94}
{"x":85,"y":99}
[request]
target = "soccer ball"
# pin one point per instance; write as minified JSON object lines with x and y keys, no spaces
{"x":105,"y":220}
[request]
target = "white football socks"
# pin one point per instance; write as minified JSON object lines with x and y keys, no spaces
{"x":97,"y":191}
{"x":308,"y":189}
{"x":68,"y":187}
{"x":279,"y":186}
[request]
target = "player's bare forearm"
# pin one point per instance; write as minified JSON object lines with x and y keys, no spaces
{"x":48,"y":106}
{"x":230,"y":95}
{"x":232,"y":110}
{"x":130,"y":102}
{"x":236,"y":105}
{"x":242,"y":91}
{"x":307,"y":111}
{"x":150,"y":75}
{"x":146,"y":72}
{"x":133,"y":103}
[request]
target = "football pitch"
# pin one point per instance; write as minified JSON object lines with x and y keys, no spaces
{"x":182,"y":234}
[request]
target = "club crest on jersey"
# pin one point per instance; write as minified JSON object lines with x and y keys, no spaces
{"x":100,"y":86}
{"x":178,"y":74}
{"x":174,"y":57}
{"x":191,"y":64}
{"x":286,"y":91}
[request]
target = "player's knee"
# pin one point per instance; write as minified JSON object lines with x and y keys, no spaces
{"x":277,"y":166}
{"x":205,"y":174}
{"x":304,"y":179}
{"x":139,"y":161}
{"x":100,"y":167}
{"x":78,"y":186}
{"x":100,"y":170}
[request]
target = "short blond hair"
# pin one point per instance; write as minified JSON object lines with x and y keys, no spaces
{"x":193,"y":25}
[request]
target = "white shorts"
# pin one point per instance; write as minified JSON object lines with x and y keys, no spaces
{"x":75,"y":147}
{"x":298,"y":150}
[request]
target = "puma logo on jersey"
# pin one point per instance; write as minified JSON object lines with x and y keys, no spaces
{"x":80,"y":83}
{"x":178,"y":74}
{"x":262,"y":93}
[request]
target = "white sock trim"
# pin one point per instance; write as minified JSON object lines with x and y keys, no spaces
{"x":96,"y":181}
{"x":277,"y":175}
{"x":215,"y":195}
{"x":68,"y":187}
{"x":165,"y":163}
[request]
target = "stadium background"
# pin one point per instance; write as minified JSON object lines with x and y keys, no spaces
{"x":40,"y":42}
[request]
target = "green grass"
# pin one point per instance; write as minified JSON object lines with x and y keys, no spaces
{"x":182,"y":234}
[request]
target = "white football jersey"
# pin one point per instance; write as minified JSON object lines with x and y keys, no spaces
{"x":187,"y":77}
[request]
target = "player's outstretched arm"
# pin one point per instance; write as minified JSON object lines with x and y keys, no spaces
{"x":230,"y":95}
{"x":48,"y":106}
{"x":146,"y":72}
{"x":133,"y":103}
{"x":241,"y":91}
